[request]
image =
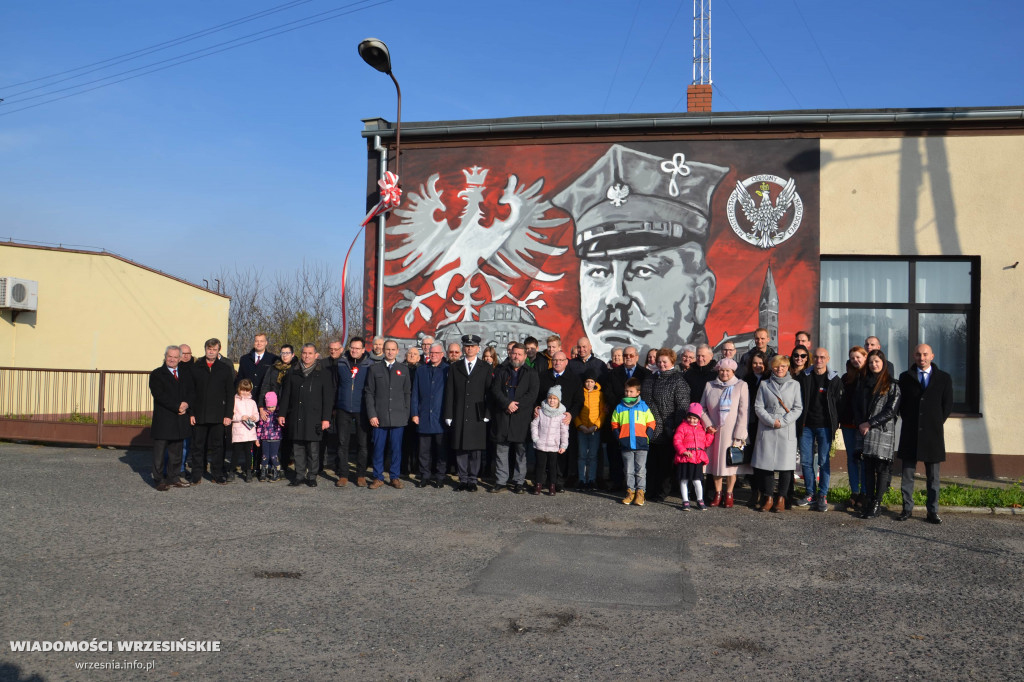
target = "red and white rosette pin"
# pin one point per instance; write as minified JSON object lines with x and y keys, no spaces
{"x":390,"y":196}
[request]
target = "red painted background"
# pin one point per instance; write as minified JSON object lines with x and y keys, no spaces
{"x":738,"y":266}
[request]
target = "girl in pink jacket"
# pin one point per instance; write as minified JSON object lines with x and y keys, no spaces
{"x":691,"y":441}
{"x":243,"y":431}
{"x":550,"y":432}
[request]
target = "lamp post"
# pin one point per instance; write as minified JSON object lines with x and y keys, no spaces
{"x":375,"y":53}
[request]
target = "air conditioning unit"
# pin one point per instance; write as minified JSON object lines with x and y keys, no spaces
{"x":19,"y":294}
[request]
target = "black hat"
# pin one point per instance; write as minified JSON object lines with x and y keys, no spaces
{"x":629,"y":202}
{"x":470,"y":340}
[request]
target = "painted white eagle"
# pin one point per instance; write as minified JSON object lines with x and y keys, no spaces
{"x":766,"y":217}
{"x":507,"y":246}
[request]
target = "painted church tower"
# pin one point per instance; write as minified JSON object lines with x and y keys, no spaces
{"x":768,"y":306}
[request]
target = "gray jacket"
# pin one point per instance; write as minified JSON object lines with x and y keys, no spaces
{"x":387,"y":394}
{"x":775,"y":449}
{"x":882,"y":413}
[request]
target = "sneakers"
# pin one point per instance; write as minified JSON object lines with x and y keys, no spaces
{"x":639,"y":499}
{"x":804,"y":501}
{"x":686,"y":505}
{"x":822,"y":503}
{"x":701,"y":506}
{"x":630,"y":496}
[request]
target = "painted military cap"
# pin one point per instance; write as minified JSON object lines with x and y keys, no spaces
{"x":470,"y":340}
{"x":629,"y":202}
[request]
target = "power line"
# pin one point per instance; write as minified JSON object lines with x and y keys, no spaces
{"x":187,"y":54}
{"x":142,"y":52}
{"x":656,"y":53}
{"x":625,"y":44}
{"x":192,"y":59}
{"x":822,"y":54}
{"x":767,"y":61}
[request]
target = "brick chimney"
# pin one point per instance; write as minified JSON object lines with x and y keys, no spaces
{"x":698,"y":97}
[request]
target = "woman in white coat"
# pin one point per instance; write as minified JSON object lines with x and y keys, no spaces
{"x":777,"y":406}
{"x":726,"y":403}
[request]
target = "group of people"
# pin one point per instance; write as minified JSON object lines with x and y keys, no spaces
{"x":648,"y":428}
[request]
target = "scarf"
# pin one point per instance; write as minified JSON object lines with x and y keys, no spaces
{"x":725,"y":402}
{"x":306,"y":371}
{"x":282,"y":368}
{"x":552,"y":412}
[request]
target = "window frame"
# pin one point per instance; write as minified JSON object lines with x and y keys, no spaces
{"x":971,"y":309}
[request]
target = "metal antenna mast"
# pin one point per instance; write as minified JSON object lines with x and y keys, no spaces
{"x":702,"y":42}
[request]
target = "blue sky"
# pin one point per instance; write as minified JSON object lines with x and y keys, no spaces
{"x":253,"y":156}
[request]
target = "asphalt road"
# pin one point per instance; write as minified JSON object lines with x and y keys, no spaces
{"x":326,"y":583}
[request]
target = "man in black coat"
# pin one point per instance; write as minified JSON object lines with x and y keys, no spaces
{"x":513,"y":393}
{"x":466,"y":411}
{"x":329,"y":441}
{"x":254,"y":364}
{"x":572,"y":399}
{"x":701,"y":372}
{"x":927,"y":401}
{"x":387,"y":397}
{"x":214,"y":404}
{"x":172,"y":396}
{"x":614,"y":390}
{"x":587,"y":360}
{"x":305,"y":406}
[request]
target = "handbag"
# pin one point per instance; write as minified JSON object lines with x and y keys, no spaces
{"x":735,"y":457}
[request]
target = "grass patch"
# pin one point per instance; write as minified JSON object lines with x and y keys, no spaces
{"x":146,"y":420}
{"x":949,"y":495}
{"x":79,"y":418}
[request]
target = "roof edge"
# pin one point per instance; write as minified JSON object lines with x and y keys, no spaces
{"x":91,"y":251}
{"x":577,"y":123}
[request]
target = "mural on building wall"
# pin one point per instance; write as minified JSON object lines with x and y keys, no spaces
{"x":638,"y":243}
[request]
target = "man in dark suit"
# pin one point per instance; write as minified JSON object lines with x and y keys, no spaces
{"x":614,"y":389}
{"x":927,"y":401}
{"x":387,"y":396}
{"x":572,"y":399}
{"x":254,"y":364}
{"x":213,"y":407}
{"x":513,"y":393}
{"x":172,"y":395}
{"x":466,"y":411}
{"x":305,"y":406}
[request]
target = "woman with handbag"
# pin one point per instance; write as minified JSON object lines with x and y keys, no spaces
{"x":778,"y":406}
{"x":877,"y":410}
{"x":726,"y":403}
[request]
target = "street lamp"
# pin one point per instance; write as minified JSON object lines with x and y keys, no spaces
{"x":375,"y":53}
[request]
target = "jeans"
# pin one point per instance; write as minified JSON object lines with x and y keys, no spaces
{"x":347,"y":422}
{"x":854,"y":461}
{"x":502,"y":465}
{"x":634,"y":464}
{"x":390,"y":437}
{"x":268,"y":453}
{"x":808,"y":438}
{"x":590,"y":446}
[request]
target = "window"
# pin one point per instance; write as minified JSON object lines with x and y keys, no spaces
{"x":904,"y":302}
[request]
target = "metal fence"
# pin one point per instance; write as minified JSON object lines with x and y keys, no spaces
{"x":101,"y":407}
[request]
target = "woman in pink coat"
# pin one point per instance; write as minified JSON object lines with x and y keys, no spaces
{"x":726,"y":403}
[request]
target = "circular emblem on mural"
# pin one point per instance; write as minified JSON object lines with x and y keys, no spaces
{"x":765,"y":218}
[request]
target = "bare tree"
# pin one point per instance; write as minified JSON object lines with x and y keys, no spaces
{"x":303,"y":306}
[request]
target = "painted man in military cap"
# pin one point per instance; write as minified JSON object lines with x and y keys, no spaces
{"x":641,"y":224}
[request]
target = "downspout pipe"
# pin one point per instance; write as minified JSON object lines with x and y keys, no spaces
{"x":382,"y":151}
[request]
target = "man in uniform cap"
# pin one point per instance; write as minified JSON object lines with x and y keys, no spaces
{"x":466,"y":411}
{"x":641,"y":223}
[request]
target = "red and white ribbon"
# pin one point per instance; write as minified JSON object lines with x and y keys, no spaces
{"x":390,"y":196}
